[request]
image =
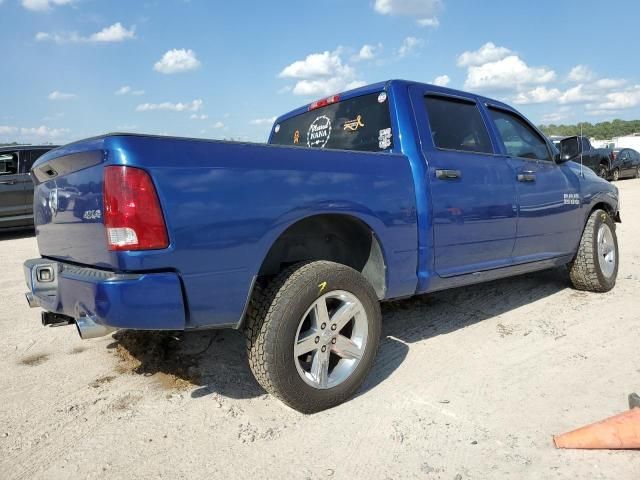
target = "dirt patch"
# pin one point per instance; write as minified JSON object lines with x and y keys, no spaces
{"x":36,"y":359}
{"x":101,"y":381}
{"x":126,"y":402}
{"x":160,"y":355}
{"x":76,"y":350}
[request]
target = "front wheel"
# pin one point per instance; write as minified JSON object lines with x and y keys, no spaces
{"x":312,"y":334}
{"x":595,"y":267}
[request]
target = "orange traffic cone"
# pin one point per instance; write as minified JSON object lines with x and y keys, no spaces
{"x":618,"y":432}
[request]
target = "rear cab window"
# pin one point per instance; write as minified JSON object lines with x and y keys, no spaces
{"x":360,"y":123}
{"x":456,"y":124}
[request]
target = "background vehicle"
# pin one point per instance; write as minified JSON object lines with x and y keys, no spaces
{"x":597,"y":159}
{"x":16,"y":187}
{"x":383,"y":192}
{"x":626,"y":164}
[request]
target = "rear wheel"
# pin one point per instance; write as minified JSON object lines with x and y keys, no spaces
{"x":595,"y":267}
{"x":312,"y":334}
{"x":616,"y":175}
{"x":602,"y":171}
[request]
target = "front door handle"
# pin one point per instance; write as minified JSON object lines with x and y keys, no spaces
{"x":527,"y":176}
{"x":7,"y":182}
{"x":448,"y":174}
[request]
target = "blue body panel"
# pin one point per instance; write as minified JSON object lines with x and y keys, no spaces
{"x":226,"y":203}
{"x":151,"y":301}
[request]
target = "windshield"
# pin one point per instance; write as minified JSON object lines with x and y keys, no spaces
{"x":360,"y":123}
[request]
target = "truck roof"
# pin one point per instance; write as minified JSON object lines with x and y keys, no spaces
{"x":386,"y":85}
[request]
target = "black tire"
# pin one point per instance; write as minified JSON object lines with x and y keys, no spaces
{"x":603,"y":172}
{"x":272,"y":322}
{"x":616,"y":175}
{"x":585,"y":270}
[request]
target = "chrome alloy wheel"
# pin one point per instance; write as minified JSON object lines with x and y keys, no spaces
{"x":606,"y":250}
{"x":331,"y":339}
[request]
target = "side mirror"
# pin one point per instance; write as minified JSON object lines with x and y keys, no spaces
{"x":569,"y":148}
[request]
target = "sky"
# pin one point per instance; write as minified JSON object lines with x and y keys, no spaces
{"x":224,"y":69}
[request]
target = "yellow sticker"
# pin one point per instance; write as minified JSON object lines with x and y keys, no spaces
{"x":296,"y":136}
{"x":322,"y":286}
{"x":353,"y":125}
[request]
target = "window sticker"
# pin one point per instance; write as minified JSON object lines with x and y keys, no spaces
{"x":319,"y":132}
{"x":382,"y":97}
{"x":296,"y":137}
{"x":384,"y":138}
{"x":353,"y":125}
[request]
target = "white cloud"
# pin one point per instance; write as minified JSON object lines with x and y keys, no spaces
{"x":176,"y":61}
{"x":555,"y":117}
{"x":263,"y":121}
{"x":195,"y":116}
{"x":609,"y":83}
{"x":114,"y":33}
{"x":441,"y":80}
{"x":127,"y":90}
{"x":628,"y":98}
{"x":429,"y":22}
{"x":42,"y":5}
{"x":32,"y":134}
{"x":424,"y":11}
{"x":508,"y":73}
{"x":367,"y":52}
{"x":580,"y":73}
{"x":218,"y":125}
{"x":111,"y":34}
{"x":323,"y":64}
{"x":7,"y":130}
{"x":408,"y":45}
{"x":577,"y":94}
{"x":488,"y":52}
{"x":325,"y":87}
{"x":537,"y":95}
{"x":194,"y":106}
{"x":56,"y":95}
{"x":321,"y":74}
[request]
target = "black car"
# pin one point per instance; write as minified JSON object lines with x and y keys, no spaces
{"x":626,"y":164}
{"x":16,"y":187}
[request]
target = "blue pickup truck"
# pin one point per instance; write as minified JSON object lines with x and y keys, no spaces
{"x":384,"y":192}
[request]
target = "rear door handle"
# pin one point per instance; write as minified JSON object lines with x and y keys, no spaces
{"x":527,"y":176}
{"x":7,"y":182}
{"x":448,"y":174}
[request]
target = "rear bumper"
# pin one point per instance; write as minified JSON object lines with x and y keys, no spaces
{"x":149,"y":301}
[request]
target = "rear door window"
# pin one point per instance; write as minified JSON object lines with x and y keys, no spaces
{"x":457,"y":125}
{"x":8,"y":163}
{"x":519,"y":138}
{"x":360,"y":123}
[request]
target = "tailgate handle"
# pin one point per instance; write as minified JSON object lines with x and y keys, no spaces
{"x":7,"y":182}
{"x":448,"y":174}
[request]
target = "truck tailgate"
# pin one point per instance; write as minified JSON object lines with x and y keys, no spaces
{"x":68,"y":206}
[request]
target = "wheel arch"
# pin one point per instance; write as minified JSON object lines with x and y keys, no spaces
{"x":338,"y":237}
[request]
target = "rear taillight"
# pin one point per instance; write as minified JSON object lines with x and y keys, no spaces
{"x":132,"y":214}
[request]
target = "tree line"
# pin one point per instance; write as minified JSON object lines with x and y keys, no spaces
{"x":599,"y":131}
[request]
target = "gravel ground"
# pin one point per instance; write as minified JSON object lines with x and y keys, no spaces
{"x":468,"y":384}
